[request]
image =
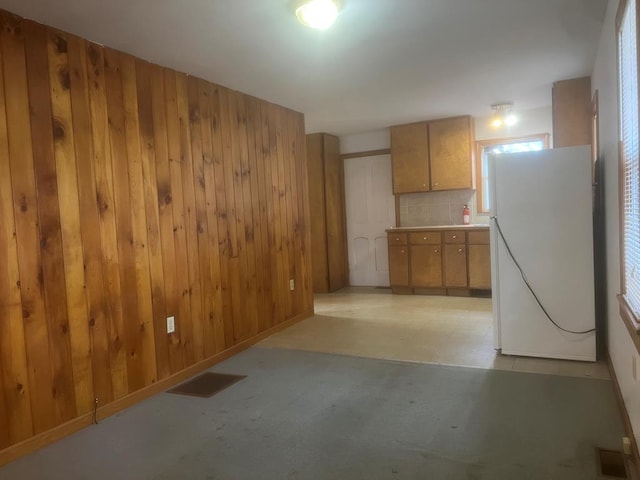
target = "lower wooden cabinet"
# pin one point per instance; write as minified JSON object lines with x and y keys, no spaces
{"x":426,"y":266}
{"x":479,"y":266}
{"x":439,"y":261}
{"x":399,"y":265}
{"x":455,"y":261}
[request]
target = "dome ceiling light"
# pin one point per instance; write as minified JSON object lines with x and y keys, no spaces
{"x":318,"y":14}
{"x":503,"y":115}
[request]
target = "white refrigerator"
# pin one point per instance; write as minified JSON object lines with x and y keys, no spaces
{"x":542,"y":253}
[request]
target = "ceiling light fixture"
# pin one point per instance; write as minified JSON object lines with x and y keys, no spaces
{"x":318,"y":14}
{"x":503,"y":115}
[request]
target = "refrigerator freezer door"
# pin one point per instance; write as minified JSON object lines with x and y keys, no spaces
{"x":542,"y":201}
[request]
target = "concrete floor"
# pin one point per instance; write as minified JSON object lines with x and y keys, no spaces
{"x":411,"y":409}
{"x":373,"y":323}
{"x":314,"y":416}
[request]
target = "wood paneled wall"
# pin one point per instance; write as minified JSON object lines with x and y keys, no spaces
{"x":130,"y":192}
{"x":330,"y":263}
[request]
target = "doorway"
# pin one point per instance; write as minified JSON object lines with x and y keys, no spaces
{"x":370,"y":206}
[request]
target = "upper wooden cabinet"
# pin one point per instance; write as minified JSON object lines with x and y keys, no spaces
{"x":572,"y":112}
{"x":410,"y":158}
{"x":450,"y":153}
{"x":435,"y":155}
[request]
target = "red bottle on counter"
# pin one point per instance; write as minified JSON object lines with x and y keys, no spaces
{"x":466,"y":216}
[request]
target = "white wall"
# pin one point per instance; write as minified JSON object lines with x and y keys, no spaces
{"x":539,"y":120}
{"x":621,"y":348}
{"x":364,"y":142}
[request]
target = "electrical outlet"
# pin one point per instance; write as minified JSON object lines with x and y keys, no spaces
{"x":634,"y":368}
{"x":292,"y":284}
{"x":171,"y":324}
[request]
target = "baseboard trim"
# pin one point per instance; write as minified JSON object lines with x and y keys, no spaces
{"x":633,"y":460}
{"x":57,"y":433}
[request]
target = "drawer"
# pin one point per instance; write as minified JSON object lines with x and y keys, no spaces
{"x":425,"y":238}
{"x":397,"y":238}
{"x":453,"y":236}
{"x":479,"y":237}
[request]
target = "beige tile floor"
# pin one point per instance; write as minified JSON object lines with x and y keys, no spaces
{"x":370,"y":322}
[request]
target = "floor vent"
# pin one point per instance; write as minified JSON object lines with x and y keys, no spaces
{"x":206,"y":385}
{"x":610,"y":464}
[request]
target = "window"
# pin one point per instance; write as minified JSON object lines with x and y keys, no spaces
{"x":485,"y":148}
{"x":629,"y":152}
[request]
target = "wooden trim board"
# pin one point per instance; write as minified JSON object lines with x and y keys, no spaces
{"x":369,"y":153}
{"x":38,"y":441}
{"x":634,"y":459}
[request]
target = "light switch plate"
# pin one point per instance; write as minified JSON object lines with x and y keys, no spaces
{"x":292,"y":284}
{"x":171,"y":324}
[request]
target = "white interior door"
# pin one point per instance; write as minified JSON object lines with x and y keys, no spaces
{"x":370,"y":211}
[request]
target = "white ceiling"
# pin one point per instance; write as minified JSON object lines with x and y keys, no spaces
{"x":384,"y":62}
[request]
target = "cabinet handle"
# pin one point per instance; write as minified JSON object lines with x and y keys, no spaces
{"x":453,"y":236}
{"x":436,"y":251}
{"x":401,"y":251}
{"x":436,"y":184}
{"x":424,"y":184}
{"x":424,"y":238}
{"x":397,"y":239}
{"x":459,"y":250}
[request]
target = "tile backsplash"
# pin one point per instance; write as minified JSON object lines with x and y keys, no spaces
{"x":438,"y":208}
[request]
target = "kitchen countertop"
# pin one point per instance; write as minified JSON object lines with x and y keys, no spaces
{"x":475,"y":226}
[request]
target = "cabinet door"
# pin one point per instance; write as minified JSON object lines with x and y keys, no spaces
{"x":572,"y":112}
{"x":450,"y":147}
{"x":409,"y":158}
{"x":398,"y":266}
{"x":426,"y":266}
{"x":455,"y":266}
{"x":479,"y":266}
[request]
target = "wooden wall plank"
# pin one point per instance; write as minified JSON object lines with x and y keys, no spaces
{"x":5,"y":439}
{"x":126,"y":241}
{"x":44,"y":128}
{"x":73,"y":256}
{"x":275,"y":222}
{"x":165,"y":205}
{"x":248,"y":236}
{"x":143,"y":324}
{"x":36,"y":329}
{"x":305,"y":217}
{"x":151,"y":201}
{"x":184,"y":331}
{"x":105,"y":198}
{"x":215,"y":324}
{"x":16,"y":392}
{"x":225,"y":225}
{"x":239,"y":270}
{"x":206,"y":298}
{"x":271,"y":274}
{"x":294,"y":140}
{"x":256,"y":160}
{"x":196,"y":350}
{"x":234,"y":212}
{"x":285,"y":220}
{"x":89,"y":223}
